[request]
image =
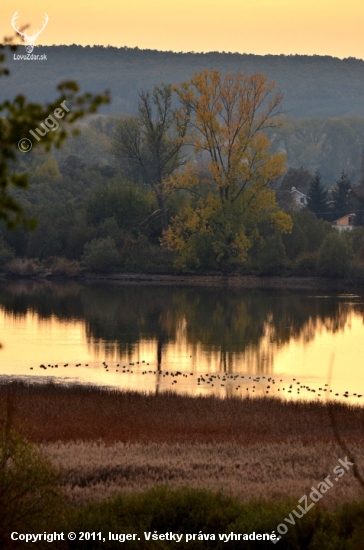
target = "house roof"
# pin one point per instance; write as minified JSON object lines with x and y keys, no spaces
{"x":343,"y":217}
{"x":294,"y":190}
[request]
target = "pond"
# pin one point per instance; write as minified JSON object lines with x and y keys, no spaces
{"x":229,"y":342}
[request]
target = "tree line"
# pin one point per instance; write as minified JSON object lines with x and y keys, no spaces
{"x":329,"y":145}
{"x":313,"y":85}
{"x":188,"y":183}
{"x":329,"y":204}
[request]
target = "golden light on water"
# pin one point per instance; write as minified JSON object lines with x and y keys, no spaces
{"x":30,"y":340}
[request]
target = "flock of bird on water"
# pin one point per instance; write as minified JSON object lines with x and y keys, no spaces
{"x":218,"y":380}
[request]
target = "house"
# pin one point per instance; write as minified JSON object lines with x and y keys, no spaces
{"x":346,"y":222}
{"x":299,"y":199}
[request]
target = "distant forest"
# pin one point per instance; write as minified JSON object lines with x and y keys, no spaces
{"x":313,"y":86}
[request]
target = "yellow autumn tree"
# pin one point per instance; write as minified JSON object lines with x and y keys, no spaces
{"x":231,"y":195}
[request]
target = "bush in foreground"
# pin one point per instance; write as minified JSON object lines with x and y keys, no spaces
{"x":30,"y":503}
{"x":30,"y":500}
{"x":197,"y":511}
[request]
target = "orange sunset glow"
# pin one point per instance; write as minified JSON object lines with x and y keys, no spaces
{"x":56,"y":342}
{"x":329,"y":27}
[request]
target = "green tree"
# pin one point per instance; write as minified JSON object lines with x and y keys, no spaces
{"x":334,"y":257}
{"x":307,"y":235}
{"x":271,"y":255}
{"x":302,"y":141}
{"x":117,"y":200}
{"x":329,"y":144}
{"x":358,"y":202}
{"x":148,"y":146}
{"x":317,"y":196}
{"x":100,"y":254}
{"x":72,"y":166}
{"x":342,"y":197}
{"x":17,"y":118}
{"x":296,"y":177}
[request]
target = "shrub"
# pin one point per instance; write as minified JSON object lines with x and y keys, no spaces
{"x":162,"y":510}
{"x":6,"y":255}
{"x":126,"y":204}
{"x":100,"y":255}
{"x":65,"y":267}
{"x":334,"y":257}
{"x":19,"y":266}
{"x":357,"y":271}
{"x":30,"y":501}
{"x":186,"y":510}
{"x":308,"y":234}
{"x":305,"y":264}
{"x":271,"y":256}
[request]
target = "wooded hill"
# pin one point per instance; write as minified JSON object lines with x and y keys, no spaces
{"x":313,"y":86}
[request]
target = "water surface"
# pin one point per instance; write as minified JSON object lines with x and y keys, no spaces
{"x":209,"y":340}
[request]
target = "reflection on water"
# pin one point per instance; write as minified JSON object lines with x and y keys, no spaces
{"x":222,"y":336}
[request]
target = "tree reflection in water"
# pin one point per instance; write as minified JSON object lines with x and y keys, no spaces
{"x":231,"y":327}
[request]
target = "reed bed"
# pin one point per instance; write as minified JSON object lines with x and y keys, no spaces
{"x":51,"y":413}
{"x":131,"y":462}
{"x":92,"y":471}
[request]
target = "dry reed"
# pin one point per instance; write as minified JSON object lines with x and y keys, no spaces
{"x":50,"y":413}
{"x":105,"y":441}
{"x":91,"y":471}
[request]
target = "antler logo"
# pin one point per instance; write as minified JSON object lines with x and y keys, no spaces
{"x":28,"y":39}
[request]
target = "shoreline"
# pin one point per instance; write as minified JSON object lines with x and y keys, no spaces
{"x":214,"y":280}
{"x":233,"y":281}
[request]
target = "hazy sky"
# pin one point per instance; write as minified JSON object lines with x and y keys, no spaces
{"x":324,"y":27}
